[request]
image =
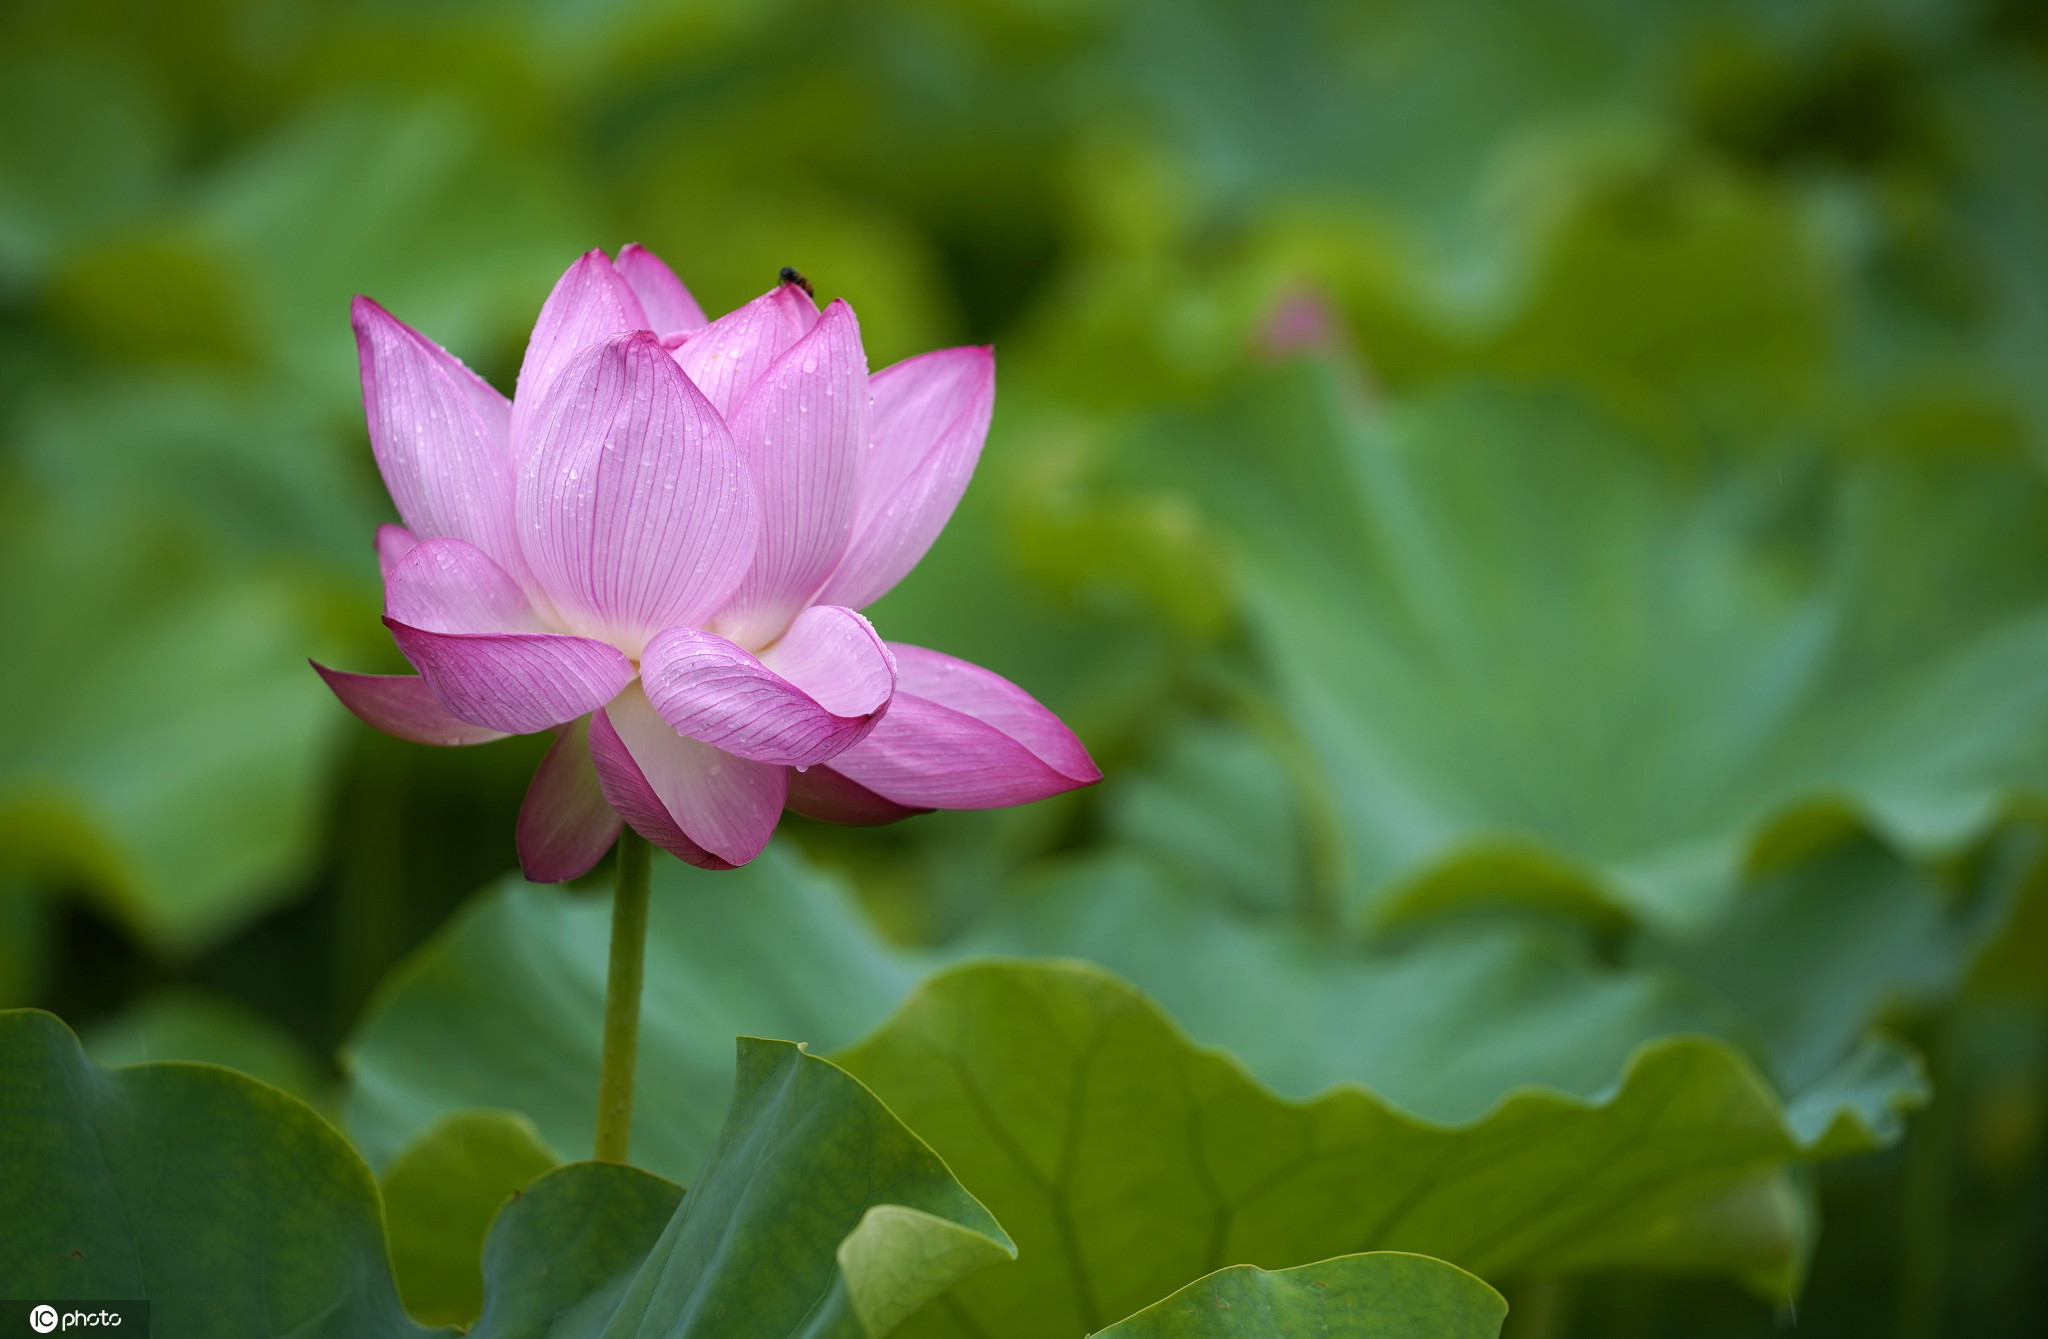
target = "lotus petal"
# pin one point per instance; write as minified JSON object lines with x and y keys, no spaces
{"x":515,"y":682}
{"x":565,"y":826}
{"x":835,"y":677}
{"x":834,"y":797}
{"x":728,"y":356}
{"x":432,"y":430}
{"x":802,"y":429}
{"x":635,"y":509}
{"x":590,"y":304}
{"x":393,"y":543}
{"x":958,"y":736}
{"x":445,"y":585}
{"x":927,"y":424}
{"x":700,"y":804}
{"x":668,"y":304}
{"x":404,"y":706}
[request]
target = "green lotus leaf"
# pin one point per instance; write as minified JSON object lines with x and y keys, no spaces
{"x":1377,"y":1295}
{"x":234,"y":1209}
{"x":86,"y":144}
{"x":440,"y":1195}
{"x":230,"y":1206}
{"x":559,"y":1257}
{"x":1441,"y":1025}
{"x":1707,"y":644}
{"x":503,"y":1009}
{"x":181,"y":798}
{"x":818,"y":1214}
{"x":1221,"y":812}
{"x":1831,"y":930}
{"x":1814,"y":950}
{"x":1124,"y":1158}
{"x":1816,"y":947}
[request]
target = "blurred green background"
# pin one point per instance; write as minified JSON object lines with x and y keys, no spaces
{"x":1552,"y":464}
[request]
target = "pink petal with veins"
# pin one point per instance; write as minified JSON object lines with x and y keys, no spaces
{"x":565,"y":826}
{"x":445,"y":585}
{"x":404,"y":706}
{"x":958,"y":736}
{"x":803,"y":430}
{"x":728,"y":356}
{"x":928,"y":422}
{"x":634,"y":507}
{"x":433,"y":432}
{"x":668,"y":304}
{"x":835,"y":678}
{"x":515,"y":682}
{"x":393,"y":543}
{"x":590,"y":304}
{"x":702,"y":805}
{"x":833,"y":797}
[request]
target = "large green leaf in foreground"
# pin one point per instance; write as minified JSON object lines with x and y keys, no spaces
{"x":1513,"y":630}
{"x":818,"y":1214}
{"x":1814,"y":949}
{"x":235,"y":1209}
{"x":230,"y":1206}
{"x":1124,"y":1159}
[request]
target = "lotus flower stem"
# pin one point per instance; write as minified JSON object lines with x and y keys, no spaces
{"x":622,"y":999}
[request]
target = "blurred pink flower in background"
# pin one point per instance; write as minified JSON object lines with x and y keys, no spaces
{"x":656,"y":549}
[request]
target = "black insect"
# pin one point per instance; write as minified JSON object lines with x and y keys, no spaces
{"x":791,"y":276}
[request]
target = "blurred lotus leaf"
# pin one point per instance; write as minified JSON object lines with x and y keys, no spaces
{"x":441,"y":1194}
{"x":85,"y":144}
{"x":1380,"y":1295}
{"x":1830,"y":931}
{"x":187,"y":1025}
{"x":176,"y":769}
{"x":1441,"y":1026}
{"x":1499,"y":620}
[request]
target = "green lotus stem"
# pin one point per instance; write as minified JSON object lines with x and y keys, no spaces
{"x":622,"y":998}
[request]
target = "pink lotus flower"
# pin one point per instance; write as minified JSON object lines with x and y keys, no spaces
{"x":656,"y":549}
